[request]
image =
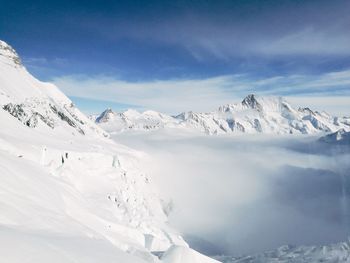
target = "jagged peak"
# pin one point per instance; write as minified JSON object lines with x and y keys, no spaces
{"x":10,"y":53}
{"x":250,"y":101}
{"x":105,"y":115}
{"x":181,"y":116}
{"x":266,"y":103}
{"x":108,"y":110}
{"x":184,"y":115}
{"x":306,"y":110}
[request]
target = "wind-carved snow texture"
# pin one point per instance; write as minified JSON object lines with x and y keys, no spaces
{"x":68,"y":192}
{"x":272,"y":115}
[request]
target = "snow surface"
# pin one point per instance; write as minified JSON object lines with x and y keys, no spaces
{"x":268,"y":115}
{"x":68,"y":192}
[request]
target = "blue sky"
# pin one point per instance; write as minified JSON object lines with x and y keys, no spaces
{"x":196,"y":53}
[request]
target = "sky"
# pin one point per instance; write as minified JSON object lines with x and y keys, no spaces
{"x":173,"y":56}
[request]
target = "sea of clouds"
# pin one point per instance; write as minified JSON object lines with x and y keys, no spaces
{"x":248,"y":193}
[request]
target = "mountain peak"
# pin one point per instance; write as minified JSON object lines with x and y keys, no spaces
{"x":105,"y":115}
{"x":9,"y":53}
{"x":251,"y":102}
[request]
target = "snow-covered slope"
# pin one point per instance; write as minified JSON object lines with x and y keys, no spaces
{"x":339,"y":253}
{"x":273,"y":115}
{"x":37,"y":104}
{"x":68,"y":193}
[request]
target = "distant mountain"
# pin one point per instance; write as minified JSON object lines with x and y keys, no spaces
{"x":339,"y":253}
{"x":340,"y":137}
{"x":133,"y":120}
{"x":271,"y":115}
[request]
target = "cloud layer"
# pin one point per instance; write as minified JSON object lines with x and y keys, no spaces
{"x":248,"y":193}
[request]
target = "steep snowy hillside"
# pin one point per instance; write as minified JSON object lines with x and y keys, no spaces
{"x":68,"y":193}
{"x":37,"y":104}
{"x":304,"y":254}
{"x":272,"y":115}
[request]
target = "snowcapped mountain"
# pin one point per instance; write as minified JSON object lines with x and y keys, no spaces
{"x":133,"y":120}
{"x":273,"y":115}
{"x":37,"y":104}
{"x":66,"y":188}
{"x":339,"y":252}
{"x":340,"y":137}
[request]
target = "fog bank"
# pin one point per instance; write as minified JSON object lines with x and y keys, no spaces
{"x":247,"y":193}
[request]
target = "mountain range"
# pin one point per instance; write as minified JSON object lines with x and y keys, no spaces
{"x":254,"y":114}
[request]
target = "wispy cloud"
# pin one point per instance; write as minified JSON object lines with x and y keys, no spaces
{"x":330,"y":91}
{"x":169,"y":96}
{"x":240,"y":30}
{"x":232,"y":42}
{"x":307,"y":41}
{"x":42,"y":61}
{"x":43,"y":67}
